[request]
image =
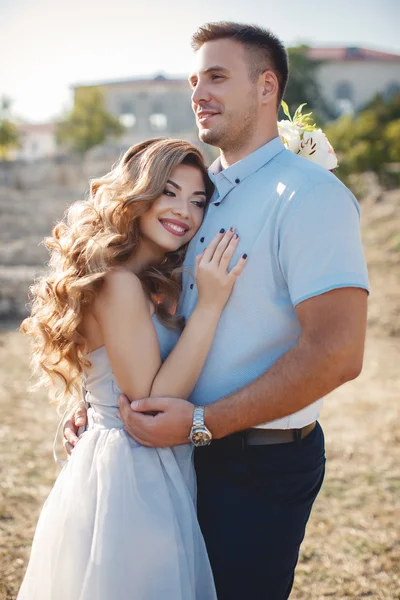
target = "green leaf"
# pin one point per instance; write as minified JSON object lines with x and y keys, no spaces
{"x":285,"y":109}
{"x":298,"y":114}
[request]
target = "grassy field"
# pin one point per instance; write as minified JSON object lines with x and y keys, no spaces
{"x":351,"y":550}
{"x":352,"y":546}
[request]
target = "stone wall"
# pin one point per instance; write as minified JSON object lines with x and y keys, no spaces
{"x":33,"y":196}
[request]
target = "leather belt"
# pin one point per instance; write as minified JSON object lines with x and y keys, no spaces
{"x":265,"y":437}
{"x":256,"y":437}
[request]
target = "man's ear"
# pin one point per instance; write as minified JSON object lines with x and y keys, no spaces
{"x":269,"y":86}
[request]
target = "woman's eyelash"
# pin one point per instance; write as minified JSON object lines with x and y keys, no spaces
{"x":169,"y":192}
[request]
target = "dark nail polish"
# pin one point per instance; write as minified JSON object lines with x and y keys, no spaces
{"x":244,"y":256}
{"x":236,"y":236}
{"x":222,"y":230}
{"x":231,"y":229}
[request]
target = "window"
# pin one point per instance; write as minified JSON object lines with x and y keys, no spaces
{"x":128,"y":120}
{"x":158,"y":119}
{"x":126,"y":108}
{"x":127,"y":114}
{"x":158,"y":122}
{"x":344,"y":91}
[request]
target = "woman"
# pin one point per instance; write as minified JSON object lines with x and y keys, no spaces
{"x":120,"y":521}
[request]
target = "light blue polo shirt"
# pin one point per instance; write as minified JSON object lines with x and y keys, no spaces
{"x":299,"y":226}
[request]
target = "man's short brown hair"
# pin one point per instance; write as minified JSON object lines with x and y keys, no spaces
{"x":263,"y":48}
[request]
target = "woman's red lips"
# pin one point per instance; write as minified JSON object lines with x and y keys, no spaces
{"x":175,"y":227}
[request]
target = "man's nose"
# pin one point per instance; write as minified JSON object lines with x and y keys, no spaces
{"x":200,"y":94}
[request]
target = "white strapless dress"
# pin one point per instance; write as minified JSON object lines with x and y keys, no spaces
{"x":120,"y":522}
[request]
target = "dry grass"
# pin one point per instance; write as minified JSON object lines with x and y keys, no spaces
{"x":351,"y":550}
{"x":27,"y":470}
{"x":352,"y":545}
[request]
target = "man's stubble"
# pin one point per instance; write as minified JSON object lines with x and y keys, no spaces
{"x":236,"y":131}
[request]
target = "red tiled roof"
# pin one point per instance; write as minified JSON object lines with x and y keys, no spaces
{"x":36,"y":127}
{"x":351,"y":53}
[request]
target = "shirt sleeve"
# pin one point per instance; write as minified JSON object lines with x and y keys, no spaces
{"x":320,"y":246}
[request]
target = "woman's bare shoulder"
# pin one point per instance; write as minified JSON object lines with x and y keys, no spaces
{"x":120,"y":287}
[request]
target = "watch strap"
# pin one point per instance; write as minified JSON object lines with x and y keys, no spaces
{"x":198,"y":416}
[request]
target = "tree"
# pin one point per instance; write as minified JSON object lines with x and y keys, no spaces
{"x":89,"y":123}
{"x":303,"y":84}
{"x":9,"y":137}
{"x":369,"y":141}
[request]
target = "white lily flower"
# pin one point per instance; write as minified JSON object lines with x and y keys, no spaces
{"x":315,"y":147}
{"x":290,"y":134}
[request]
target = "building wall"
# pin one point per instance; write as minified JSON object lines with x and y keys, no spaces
{"x":363,"y":80}
{"x":36,"y":141}
{"x":152,"y":107}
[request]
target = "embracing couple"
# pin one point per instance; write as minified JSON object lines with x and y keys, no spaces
{"x":206,"y":314}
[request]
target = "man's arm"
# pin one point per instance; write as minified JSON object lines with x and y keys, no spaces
{"x":76,"y":419}
{"x":329,"y":353}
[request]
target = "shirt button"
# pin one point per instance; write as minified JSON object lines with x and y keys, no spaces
{"x":191,"y":286}
{"x":237,"y":180}
{"x":202,"y":239}
{"x":217,"y":203}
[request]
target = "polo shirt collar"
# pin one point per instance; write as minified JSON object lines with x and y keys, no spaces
{"x":227,"y":179}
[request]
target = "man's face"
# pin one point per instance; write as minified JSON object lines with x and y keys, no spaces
{"x":224,"y":98}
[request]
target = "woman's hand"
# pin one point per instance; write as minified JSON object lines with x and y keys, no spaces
{"x":214,"y":281}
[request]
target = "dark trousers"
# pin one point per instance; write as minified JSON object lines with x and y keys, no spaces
{"x":253,"y":506}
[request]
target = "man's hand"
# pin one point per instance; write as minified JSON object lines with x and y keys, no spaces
{"x":77,"y":418}
{"x":169,"y":425}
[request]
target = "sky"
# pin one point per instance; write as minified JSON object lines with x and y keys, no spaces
{"x":46,"y":46}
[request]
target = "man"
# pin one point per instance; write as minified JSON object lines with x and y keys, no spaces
{"x":293,"y":329}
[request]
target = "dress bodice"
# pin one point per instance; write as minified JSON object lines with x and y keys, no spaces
{"x":101,"y":385}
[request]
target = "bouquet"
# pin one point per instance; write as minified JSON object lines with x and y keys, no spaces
{"x":302,"y":137}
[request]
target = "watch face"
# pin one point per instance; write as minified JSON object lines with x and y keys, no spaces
{"x":201,"y":436}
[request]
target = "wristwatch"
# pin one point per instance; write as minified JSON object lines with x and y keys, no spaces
{"x":199,"y":434}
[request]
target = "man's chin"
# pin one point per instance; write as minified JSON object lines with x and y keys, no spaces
{"x":208,"y":136}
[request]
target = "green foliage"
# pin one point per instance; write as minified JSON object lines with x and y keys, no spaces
{"x":392,"y":140}
{"x":9,"y":138}
{"x":303,"y":85}
{"x":89,"y":124}
{"x":305,"y":121}
{"x":368,"y":141}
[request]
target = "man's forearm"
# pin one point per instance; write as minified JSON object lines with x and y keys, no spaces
{"x":300,"y":377}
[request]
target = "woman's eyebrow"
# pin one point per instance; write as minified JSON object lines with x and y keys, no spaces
{"x":175,"y":185}
{"x":178,"y":187}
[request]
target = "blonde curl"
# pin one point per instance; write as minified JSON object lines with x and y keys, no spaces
{"x":95,"y":235}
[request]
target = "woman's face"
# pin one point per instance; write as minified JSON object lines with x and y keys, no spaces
{"x":175,"y":217}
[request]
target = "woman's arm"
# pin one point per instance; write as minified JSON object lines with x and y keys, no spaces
{"x":123,"y":315}
{"x":179,"y":373}
{"x":122,"y":312}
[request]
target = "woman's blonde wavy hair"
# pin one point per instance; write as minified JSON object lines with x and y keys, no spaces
{"x":95,"y":235}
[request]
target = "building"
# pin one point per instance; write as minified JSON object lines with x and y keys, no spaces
{"x":149,"y":107}
{"x":35,"y":141}
{"x":351,"y":77}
